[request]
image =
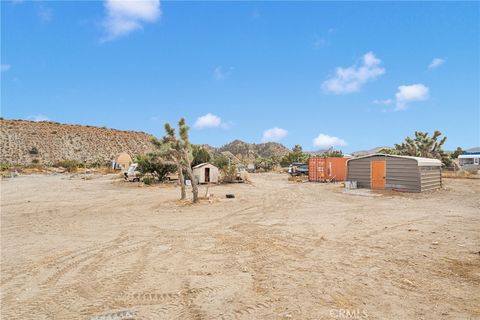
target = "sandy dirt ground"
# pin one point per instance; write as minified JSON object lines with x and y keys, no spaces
{"x":106,"y":249}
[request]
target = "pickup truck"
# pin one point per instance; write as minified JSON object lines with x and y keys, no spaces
{"x":132,"y":174}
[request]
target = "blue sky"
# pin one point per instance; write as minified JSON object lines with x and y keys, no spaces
{"x":349,"y":75}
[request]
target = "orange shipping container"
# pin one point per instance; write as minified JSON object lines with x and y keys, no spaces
{"x":327,"y":169}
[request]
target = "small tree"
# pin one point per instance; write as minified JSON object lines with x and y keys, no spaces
{"x":333,"y":154}
{"x":296,"y":155}
{"x":221,"y":161}
{"x":200,"y":155}
{"x":457,"y":152}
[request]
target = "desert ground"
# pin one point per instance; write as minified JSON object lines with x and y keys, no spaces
{"x":106,"y":249}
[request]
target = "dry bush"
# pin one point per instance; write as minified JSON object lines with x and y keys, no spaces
{"x":463,"y":174}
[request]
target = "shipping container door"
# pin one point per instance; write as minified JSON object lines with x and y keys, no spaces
{"x":378,"y":173}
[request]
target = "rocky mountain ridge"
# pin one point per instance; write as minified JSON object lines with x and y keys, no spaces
{"x":24,"y":142}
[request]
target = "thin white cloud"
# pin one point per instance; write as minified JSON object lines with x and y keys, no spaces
{"x":319,"y":42}
{"x":351,"y":79}
{"x":221,"y":73}
{"x":44,"y":13}
{"x":208,"y":121}
{"x":274,"y":134}
{"x":39,"y":117}
{"x":436,"y":63}
{"x":384,"y":102}
{"x":124,"y":17}
{"x":409,"y":93}
{"x":5,"y":67}
{"x":325,"y":141}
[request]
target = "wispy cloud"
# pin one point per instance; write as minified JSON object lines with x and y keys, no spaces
{"x":5,"y":67}
{"x":351,"y":79}
{"x":325,"y":141}
{"x":409,"y":93}
{"x":39,"y":117}
{"x":44,"y":13}
{"x":124,"y":17}
{"x":274,"y":134}
{"x":384,"y":102}
{"x":221,"y":73}
{"x":323,"y":40}
{"x":436,"y":63}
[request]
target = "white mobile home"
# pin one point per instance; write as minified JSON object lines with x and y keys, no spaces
{"x":469,"y":161}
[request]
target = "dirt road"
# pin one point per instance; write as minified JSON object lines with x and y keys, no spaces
{"x":104,"y":249}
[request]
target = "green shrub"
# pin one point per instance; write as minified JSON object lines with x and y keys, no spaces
{"x":33,"y":150}
{"x":147,"y":180}
{"x":69,"y":165}
{"x":153,"y":164}
{"x":221,"y":161}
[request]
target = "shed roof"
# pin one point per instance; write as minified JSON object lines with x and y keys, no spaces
{"x":422,"y":162}
{"x":203,"y":164}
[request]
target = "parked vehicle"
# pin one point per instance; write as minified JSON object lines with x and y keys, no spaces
{"x":298,"y":169}
{"x":132,"y":174}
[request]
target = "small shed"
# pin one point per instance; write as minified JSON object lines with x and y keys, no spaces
{"x":206,"y":173}
{"x":391,"y":172}
{"x":327,"y":169}
{"x":123,"y":161}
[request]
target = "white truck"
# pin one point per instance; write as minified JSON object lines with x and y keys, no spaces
{"x":132,"y":174}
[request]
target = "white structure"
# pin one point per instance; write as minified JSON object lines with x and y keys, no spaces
{"x":205,"y":173}
{"x":469,"y":161}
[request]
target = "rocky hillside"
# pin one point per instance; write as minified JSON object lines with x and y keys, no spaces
{"x":250,"y":151}
{"x":26,"y":142}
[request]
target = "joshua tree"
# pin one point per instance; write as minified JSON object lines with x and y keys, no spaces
{"x":422,"y":146}
{"x":170,"y":148}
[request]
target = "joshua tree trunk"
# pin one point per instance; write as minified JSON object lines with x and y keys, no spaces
{"x":182,"y":182}
{"x":192,"y":178}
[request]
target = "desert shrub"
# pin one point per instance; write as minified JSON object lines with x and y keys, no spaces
{"x":148,"y":180}
{"x":4,"y":167}
{"x":35,"y":161}
{"x":99,"y":164}
{"x":155,"y":165}
{"x":33,"y":150}
{"x":69,"y":165}
{"x":54,"y":132}
{"x":221,"y":161}
{"x":229,"y":173}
